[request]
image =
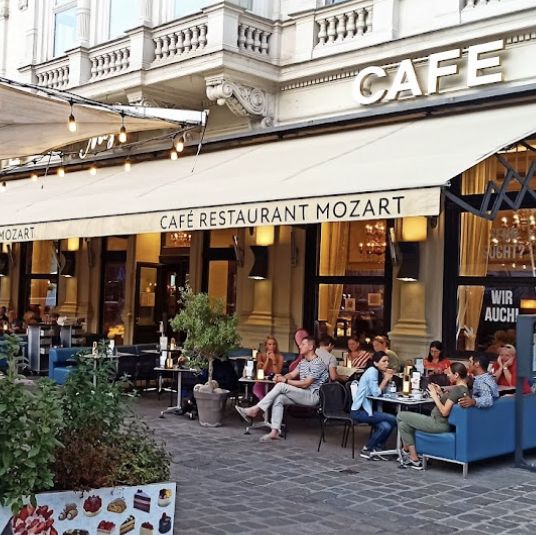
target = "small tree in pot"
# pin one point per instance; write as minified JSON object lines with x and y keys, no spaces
{"x":210,"y":334}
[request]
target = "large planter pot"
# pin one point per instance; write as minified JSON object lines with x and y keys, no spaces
{"x":210,"y":407}
{"x":143,"y":510}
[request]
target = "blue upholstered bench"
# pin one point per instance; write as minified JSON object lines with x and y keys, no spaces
{"x":59,"y":365}
{"x":480,"y":433}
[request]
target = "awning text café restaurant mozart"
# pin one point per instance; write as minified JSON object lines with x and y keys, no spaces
{"x":415,"y":216}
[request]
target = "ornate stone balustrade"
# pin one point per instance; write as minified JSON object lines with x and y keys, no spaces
{"x":181,"y":41}
{"x":342,"y":24}
{"x":110,"y":61}
{"x":253,"y":36}
{"x":54,"y":75}
{"x":475,"y":3}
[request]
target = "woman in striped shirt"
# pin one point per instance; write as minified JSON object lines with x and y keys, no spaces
{"x":359,"y":357}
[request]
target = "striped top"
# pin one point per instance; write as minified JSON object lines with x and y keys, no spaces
{"x":316,"y":369}
{"x":360,"y":361}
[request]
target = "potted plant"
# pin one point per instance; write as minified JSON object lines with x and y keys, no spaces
{"x":107,"y":472}
{"x":210,"y":334}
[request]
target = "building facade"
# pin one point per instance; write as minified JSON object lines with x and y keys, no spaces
{"x":276,"y":68}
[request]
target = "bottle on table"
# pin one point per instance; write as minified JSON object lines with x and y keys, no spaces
{"x":406,"y":381}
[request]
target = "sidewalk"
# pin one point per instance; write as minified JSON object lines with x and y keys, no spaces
{"x":230,"y":483}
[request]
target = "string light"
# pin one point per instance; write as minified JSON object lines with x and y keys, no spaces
{"x":61,"y":169}
{"x":122,"y":130}
{"x":128,"y":165}
{"x":34,"y":177}
{"x":3,"y":186}
{"x":179,"y":144}
{"x":173,"y":154}
{"x":72,"y":120}
{"x":93,"y":170}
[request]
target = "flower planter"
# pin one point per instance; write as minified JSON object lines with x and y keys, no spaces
{"x":210,"y":407}
{"x":140,"y":510}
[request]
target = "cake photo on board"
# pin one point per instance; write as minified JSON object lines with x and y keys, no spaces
{"x":164,"y":524}
{"x":164,"y":497}
{"x":105,"y":528}
{"x":92,"y":505}
{"x":117,"y":506}
{"x":142,"y":501}
{"x":146,"y":529}
{"x":127,"y":525}
{"x":76,"y":532}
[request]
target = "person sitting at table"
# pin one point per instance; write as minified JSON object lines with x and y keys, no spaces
{"x":271,"y":361}
{"x":485,"y":390}
{"x":299,"y":335}
{"x":299,"y":387}
{"x":437,"y":422}
{"x":436,"y":362}
{"x":373,"y":383}
{"x":381,"y":343}
{"x":324,"y":352}
{"x":505,"y":368}
{"x":357,"y":356}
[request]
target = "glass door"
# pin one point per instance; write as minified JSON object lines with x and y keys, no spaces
{"x":147,"y":305}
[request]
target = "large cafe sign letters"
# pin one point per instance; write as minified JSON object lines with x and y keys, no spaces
{"x":354,"y":207}
{"x":373,"y":84}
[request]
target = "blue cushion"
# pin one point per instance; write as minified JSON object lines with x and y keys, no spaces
{"x":240,"y":352}
{"x":62,"y":373}
{"x":289,"y":356}
{"x":436,"y":444}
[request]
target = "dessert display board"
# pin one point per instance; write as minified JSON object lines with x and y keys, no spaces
{"x":141,"y":510}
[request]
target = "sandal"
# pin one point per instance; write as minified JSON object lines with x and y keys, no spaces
{"x":243,"y":414}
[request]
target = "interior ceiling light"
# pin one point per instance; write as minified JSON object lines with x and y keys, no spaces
{"x":72,"y":120}
{"x":122,"y":130}
{"x":34,"y":177}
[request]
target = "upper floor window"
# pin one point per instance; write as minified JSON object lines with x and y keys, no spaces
{"x":124,"y":15}
{"x":64,"y":26}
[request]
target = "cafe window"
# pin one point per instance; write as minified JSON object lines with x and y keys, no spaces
{"x":495,"y":266}
{"x":220,"y":267}
{"x":351,"y":292}
{"x":113,"y":288}
{"x":40,"y":275}
{"x":124,"y":15}
{"x":64,"y":26}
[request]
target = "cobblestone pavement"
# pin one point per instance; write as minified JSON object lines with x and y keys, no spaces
{"x":228,"y":482}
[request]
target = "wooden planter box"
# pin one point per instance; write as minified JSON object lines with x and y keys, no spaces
{"x":140,"y":510}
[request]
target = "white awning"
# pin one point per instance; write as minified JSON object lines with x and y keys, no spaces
{"x":33,"y":124}
{"x":379,"y":172}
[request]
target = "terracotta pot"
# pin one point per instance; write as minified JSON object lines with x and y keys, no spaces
{"x":210,"y":407}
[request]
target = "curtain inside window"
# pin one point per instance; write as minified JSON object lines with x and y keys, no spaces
{"x":333,"y":262}
{"x":474,"y":245}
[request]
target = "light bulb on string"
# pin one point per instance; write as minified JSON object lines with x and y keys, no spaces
{"x":122,"y":130}
{"x":128,"y":165}
{"x":61,"y":171}
{"x":3,"y":186}
{"x":173,"y":154}
{"x":72,"y":121}
{"x":179,"y":144}
{"x":34,"y":177}
{"x":93,"y":170}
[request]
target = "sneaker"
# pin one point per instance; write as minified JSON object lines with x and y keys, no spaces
{"x":365,"y":453}
{"x":416,"y":465}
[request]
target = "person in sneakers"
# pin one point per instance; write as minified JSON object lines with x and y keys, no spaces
{"x":485,"y":390}
{"x":373,"y":383}
{"x":437,"y":422}
{"x":298,"y":387}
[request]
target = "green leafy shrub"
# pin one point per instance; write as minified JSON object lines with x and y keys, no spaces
{"x":210,"y":332}
{"x":31,"y":425}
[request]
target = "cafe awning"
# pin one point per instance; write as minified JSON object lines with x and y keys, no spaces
{"x":32,"y":124}
{"x":384,"y":171}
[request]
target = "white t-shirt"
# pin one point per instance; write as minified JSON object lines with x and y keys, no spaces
{"x":327,"y":358}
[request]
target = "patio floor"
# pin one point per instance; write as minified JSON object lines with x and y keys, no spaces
{"x":229,"y":482}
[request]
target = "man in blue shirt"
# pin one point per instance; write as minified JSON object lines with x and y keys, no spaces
{"x":298,"y":387}
{"x":485,"y":390}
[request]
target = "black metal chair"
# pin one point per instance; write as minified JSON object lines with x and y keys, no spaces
{"x":334,"y":409}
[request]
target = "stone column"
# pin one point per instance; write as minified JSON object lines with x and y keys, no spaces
{"x":82,"y":23}
{"x":146,"y":13}
{"x":141,"y":48}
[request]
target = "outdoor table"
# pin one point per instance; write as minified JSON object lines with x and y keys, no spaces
{"x":179,"y":372}
{"x":400,"y":401}
{"x":266,"y":421}
{"x":97,"y":358}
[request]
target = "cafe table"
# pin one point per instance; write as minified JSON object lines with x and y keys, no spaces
{"x":247,"y":381}
{"x":399,"y":401}
{"x":178,"y":372}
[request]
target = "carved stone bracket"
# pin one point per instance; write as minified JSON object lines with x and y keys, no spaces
{"x":244,"y":101}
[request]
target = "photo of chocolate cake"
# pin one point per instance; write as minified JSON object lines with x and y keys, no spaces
{"x":142,"y":501}
{"x":164,"y":524}
{"x":127,"y":525}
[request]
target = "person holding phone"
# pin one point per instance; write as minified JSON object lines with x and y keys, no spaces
{"x":437,"y":422}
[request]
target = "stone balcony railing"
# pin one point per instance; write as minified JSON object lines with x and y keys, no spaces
{"x":254,"y":35}
{"x":53,"y":74}
{"x":110,"y":59}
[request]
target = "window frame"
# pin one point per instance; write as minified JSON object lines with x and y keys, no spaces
{"x":108,"y":11}
{"x":56,"y":9}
